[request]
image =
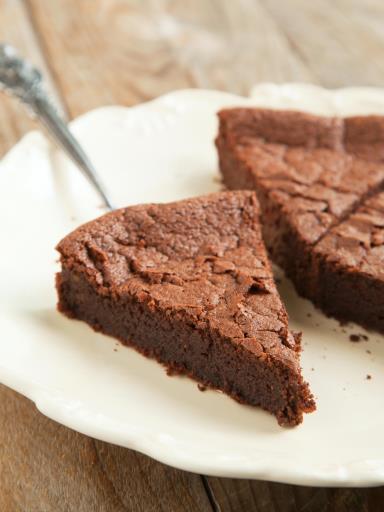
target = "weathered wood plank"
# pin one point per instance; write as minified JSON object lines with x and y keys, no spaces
{"x":128,"y":51}
{"x":47,"y":467}
{"x":16,"y":30}
{"x":341,"y":41}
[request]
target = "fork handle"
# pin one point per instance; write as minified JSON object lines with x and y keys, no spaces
{"x":24,"y":82}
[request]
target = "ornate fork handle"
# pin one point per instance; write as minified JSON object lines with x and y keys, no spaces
{"x":21,"y":80}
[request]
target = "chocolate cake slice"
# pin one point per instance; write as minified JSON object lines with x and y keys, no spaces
{"x":348,"y":266}
{"x":189,"y":284}
{"x":310,"y":174}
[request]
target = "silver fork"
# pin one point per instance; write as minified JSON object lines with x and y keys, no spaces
{"x":23,"y":81}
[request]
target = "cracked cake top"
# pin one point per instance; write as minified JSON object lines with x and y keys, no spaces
{"x":202,"y":258}
{"x":317,"y":169}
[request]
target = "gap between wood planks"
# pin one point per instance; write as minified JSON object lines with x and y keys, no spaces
{"x":211,"y":495}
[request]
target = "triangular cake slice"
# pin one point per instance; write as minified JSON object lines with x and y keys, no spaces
{"x":311,"y":173}
{"x":189,"y":284}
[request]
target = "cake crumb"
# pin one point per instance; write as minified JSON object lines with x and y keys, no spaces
{"x":368,"y":352}
{"x":312,"y":369}
{"x":358,"y":337}
{"x":309,"y":315}
{"x":369,"y":377}
{"x":115,"y":349}
{"x":201,"y":387}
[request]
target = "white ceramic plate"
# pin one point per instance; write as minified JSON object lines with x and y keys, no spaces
{"x":163,"y":151}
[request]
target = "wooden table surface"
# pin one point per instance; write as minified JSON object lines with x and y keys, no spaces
{"x":105,"y":52}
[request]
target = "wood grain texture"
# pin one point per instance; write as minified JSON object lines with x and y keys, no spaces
{"x":126,"y":51}
{"x":47,"y":467}
{"x":341,"y":41}
{"x":121,"y":52}
{"x":16,"y":30}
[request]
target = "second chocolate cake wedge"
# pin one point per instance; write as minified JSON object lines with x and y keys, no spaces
{"x":189,"y":284}
{"x":315,"y":178}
